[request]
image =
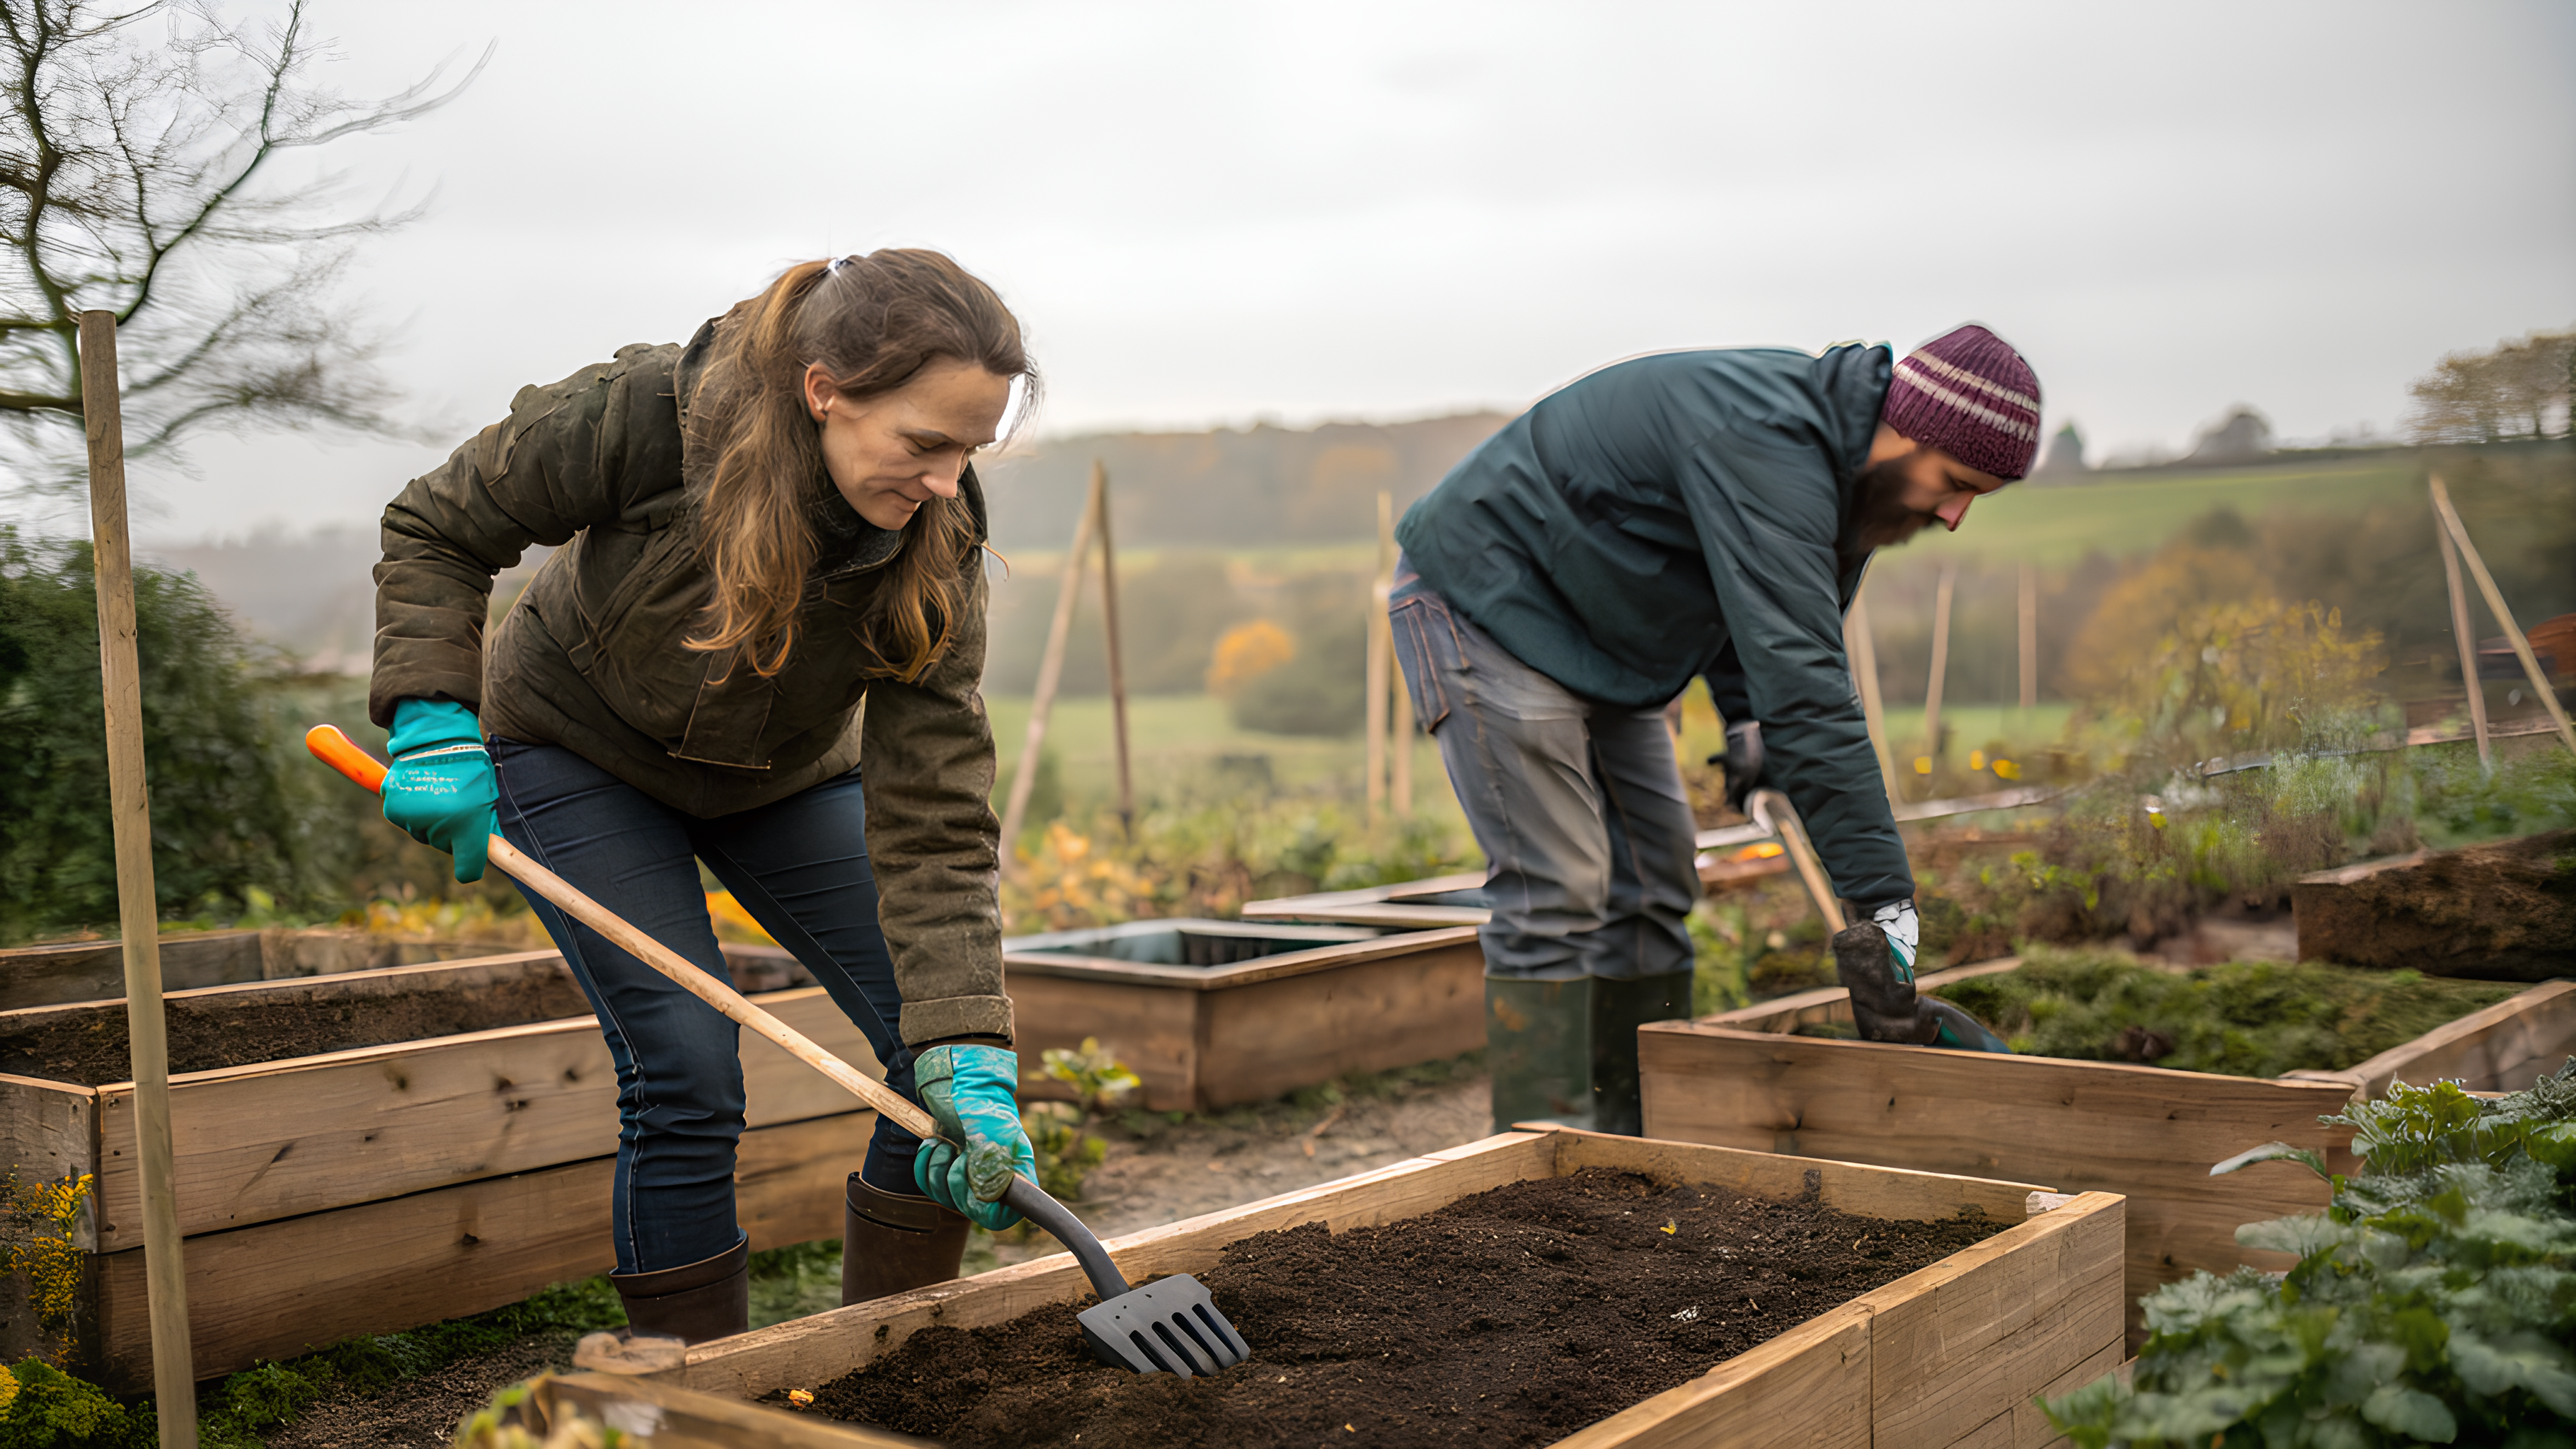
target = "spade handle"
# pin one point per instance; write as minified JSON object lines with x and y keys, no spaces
{"x":342,"y":754}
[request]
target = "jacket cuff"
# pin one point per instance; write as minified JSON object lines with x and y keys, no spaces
{"x":947,"y":1016}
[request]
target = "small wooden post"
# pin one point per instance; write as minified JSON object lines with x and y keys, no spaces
{"x":1399,"y":776}
{"x":2029,"y":641}
{"x":1050,"y":673}
{"x":2467,"y":639}
{"x":1381,"y":660}
{"x":1117,"y":673}
{"x":1940,"y":660}
{"x":1863,"y":651}
{"x":165,"y":1268}
{"x":2495,"y":605}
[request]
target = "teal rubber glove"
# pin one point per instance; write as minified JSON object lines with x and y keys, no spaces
{"x":972,"y":1091}
{"x":439,"y":788}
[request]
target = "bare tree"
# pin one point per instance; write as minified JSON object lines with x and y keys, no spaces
{"x":139,"y":146}
{"x":2514,"y":390}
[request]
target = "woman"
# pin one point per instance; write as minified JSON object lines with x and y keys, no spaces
{"x":754,"y":535}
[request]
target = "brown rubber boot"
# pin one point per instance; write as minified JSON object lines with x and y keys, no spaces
{"x":893,"y":1242}
{"x":706,"y":1299}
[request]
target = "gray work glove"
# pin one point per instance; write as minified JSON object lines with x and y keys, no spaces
{"x":1875,"y":961}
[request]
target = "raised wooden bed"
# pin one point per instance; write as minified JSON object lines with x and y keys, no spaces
{"x":1740,"y":1080}
{"x":72,"y":971}
{"x":389,"y":1185}
{"x":1214,"y":1013}
{"x":1952,"y":1354}
{"x":2503,"y":911}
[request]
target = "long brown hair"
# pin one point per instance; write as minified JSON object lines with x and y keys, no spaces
{"x":874,"y":323}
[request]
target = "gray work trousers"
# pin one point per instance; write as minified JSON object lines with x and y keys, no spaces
{"x":1579,"y":805}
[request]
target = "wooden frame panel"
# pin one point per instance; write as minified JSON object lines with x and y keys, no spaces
{"x":1204,"y":1037}
{"x":1949,"y":1355}
{"x":258,"y":1143}
{"x":1275,"y":1036}
{"x":2144,"y":1132}
{"x":282,"y":1288}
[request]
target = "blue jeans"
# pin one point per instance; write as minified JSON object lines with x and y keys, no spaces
{"x":1578,"y":804}
{"x":800,"y":866}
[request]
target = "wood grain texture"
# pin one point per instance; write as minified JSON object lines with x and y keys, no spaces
{"x":1153,"y":1030}
{"x":1272,"y":1037}
{"x":1993,"y":1323}
{"x":1808,"y":1387}
{"x":1957,"y":1345}
{"x":2504,"y":1048}
{"x":282,"y":1288}
{"x":2144,"y":1132}
{"x":49,"y":1133}
{"x":1204,"y":1037}
{"x":260,"y":1143}
{"x":2031,"y":1429}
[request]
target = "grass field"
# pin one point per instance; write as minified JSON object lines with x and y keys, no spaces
{"x":2133,"y":512}
{"x":1174,"y":740}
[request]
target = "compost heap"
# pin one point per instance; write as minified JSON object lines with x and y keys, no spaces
{"x":2248,"y":1019}
{"x":1516,"y":1316}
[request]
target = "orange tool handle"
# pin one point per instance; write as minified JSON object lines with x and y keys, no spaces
{"x":342,"y":754}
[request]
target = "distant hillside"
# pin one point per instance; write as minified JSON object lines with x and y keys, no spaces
{"x":1250,"y":488}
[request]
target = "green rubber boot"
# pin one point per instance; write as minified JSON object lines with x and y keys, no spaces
{"x":1618,"y":1009}
{"x":1538,"y":1043}
{"x":1566,"y":1051}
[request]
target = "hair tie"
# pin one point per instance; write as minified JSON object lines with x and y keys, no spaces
{"x":833,"y":267}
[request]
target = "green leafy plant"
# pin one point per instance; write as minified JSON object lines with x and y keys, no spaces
{"x":1059,"y":1132}
{"x":2433,"y":1302}
{"x":41,"y":1407}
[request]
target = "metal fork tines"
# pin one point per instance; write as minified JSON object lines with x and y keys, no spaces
{"x":1171,"y":1326}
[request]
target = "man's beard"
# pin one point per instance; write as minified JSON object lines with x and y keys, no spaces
{"x":1879,"y":517}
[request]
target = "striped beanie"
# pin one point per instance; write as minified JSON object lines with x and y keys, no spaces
{"x":1969,"y":394}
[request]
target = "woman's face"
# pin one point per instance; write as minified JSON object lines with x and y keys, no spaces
{"x":891,"y":453}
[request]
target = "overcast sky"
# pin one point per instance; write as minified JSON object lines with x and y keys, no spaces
{"x":1211,"y":213}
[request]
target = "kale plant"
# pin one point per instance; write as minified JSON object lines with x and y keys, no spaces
{"x":2434,"y":1302}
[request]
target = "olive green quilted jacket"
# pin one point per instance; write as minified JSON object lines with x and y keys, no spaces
{"x":598,"y":467}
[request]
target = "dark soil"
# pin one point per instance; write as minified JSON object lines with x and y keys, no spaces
{"x":87,"y":1044}
{"x":2499,"y":912}
{"x":1516,"y":1316}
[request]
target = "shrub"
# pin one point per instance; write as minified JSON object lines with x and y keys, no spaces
{"x":2434,"y":1302}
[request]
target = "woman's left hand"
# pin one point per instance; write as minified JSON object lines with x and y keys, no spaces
{"x":972,"y":1091}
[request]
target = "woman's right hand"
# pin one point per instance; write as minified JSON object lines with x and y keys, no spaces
{"x":440,"y":788}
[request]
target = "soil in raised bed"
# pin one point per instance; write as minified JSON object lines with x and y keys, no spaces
{"x":2249,"y":1019}
{"x":1513,"y":1317}
{"x":233,"y":1030}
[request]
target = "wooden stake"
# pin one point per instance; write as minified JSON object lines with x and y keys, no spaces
{"x":1117,"y":673}
{"x":1399,"y":780}
{"x":1050,"y":673}
{"x":2495,"y":605}
{"x":1940,"y":661}
{"x":2467,"y":639}
{"x":165,"y":1268}
{"x":1381,"y":659}
{"x":1863,"y":652}
{"x":2029,"y":640}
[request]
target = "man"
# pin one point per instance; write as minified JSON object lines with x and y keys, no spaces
{"x":1705,"y":513}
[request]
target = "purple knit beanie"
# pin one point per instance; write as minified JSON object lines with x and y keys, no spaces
{"x":1971,"y":395}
